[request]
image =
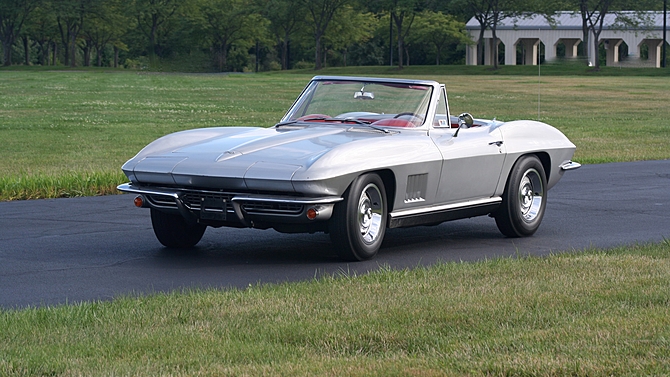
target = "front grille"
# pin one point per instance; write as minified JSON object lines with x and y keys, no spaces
{"x":161,"y":201}
{"x":193,"y":199}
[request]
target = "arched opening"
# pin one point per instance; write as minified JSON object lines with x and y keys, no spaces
{"x":528,"y":51}
{"x":568,"y":48}
{"x":651,"y":51}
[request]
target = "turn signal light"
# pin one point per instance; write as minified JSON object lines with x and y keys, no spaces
{"x":312,"y":213}
{"x":139,"y":202}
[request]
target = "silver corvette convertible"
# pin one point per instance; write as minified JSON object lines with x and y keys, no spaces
{"x":351,"y":157}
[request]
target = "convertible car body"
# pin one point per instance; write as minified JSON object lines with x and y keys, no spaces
{"x":351,"y":157}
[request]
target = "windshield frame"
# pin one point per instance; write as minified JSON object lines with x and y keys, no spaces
{"x":308,"y":92}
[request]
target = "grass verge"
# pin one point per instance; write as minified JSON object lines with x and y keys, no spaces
{"x":65,"y":185}
{"x":56,"y":125}
{"x":594,"y":313}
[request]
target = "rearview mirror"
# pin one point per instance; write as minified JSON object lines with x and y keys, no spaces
{"x":364,"y":95}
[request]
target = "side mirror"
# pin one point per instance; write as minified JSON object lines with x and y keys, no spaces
{"x":465,"y":120}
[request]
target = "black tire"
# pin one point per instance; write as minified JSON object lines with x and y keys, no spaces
{"x":173,"y":231}
{"x":358,"y":224}
{"x":524,"y":199}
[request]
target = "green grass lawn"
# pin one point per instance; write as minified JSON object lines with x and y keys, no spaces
{"x":66,"y":133}
{"x":583,"y":314}
{"x":593,"y":313}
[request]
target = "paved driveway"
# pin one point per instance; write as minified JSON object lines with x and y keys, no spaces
{"x":70,"y":250}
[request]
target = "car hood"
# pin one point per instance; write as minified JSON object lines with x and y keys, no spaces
{"x":235,"y":157}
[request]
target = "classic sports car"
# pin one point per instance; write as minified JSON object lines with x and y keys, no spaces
{"x":351,"y":157}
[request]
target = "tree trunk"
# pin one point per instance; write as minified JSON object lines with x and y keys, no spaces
{"x":585,"y":28}
{"x":73,"y":50}
{"x":481,"y":47}
{"x":98,"y":53}
{"x":317,"y":54}
{"x":284,"y":53}
{"x":401,"y":39}
{"x":223,"y":56}
{"x":596,"y":54}
{"x":494,"y":36}
{"x":7,"y":49}
{"x":86,"y":50}
{"x":55,"y":53}
{"x":116,"y":57}
{"x":26,"y":49}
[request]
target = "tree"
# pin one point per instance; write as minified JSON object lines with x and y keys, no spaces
{"x":154,"y":19}
{"x":70,"y":17}
{"x":483,"y":13}
{"x":106,"y":26}
{"x":319,"y":15}
{"x":438,"y":30}
{"x":286,"y":18}
{"x":13,"y":16}
{"x":402,"y":15}
{"x":594,"y":13}
{"x":42,"y":29}
{"x":227,"y":23}
{"x":348,"y":28}
{"x":489,"y":13}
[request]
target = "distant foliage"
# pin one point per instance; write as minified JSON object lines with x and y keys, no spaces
{"x":232,"y":35}
{"x":251,"y":35}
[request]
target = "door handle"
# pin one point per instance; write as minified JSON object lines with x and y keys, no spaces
{"x":497,"y":143}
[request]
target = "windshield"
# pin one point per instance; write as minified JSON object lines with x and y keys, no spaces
{"x":377,"y":103}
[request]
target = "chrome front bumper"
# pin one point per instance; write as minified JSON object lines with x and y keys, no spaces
{"x":221,"y":206}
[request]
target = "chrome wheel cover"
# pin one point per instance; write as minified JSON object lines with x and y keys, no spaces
{"x":370,"y":213}
{"x":531,"y":195}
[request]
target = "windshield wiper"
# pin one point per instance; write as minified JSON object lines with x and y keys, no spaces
{"x":290,"y":122}
{"x":350,"y":120}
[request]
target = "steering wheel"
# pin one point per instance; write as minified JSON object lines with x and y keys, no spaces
{"x":406,"y":113}
{"x":414,"y":118}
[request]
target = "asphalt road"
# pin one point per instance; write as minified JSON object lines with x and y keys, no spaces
{"x":71,"y":250}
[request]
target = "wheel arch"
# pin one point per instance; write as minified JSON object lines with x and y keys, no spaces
{"x":389,"y":180}
{"x":388,"y":177}
{"x":545,"y":159}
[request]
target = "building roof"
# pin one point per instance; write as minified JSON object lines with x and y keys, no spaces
{"x":573,"y":20}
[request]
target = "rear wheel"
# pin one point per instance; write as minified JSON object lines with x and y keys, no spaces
{"x":524,"y":199}
{"x":173,"y":231}
{"x":358,"y":224}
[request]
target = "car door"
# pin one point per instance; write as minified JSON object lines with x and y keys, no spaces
{"x":472,"y":160}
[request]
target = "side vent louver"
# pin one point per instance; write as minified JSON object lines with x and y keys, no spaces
{"x":416,"y":188}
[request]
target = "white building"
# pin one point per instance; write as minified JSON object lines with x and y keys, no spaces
{"x":526,"y":34}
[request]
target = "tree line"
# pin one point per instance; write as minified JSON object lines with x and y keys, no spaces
{"x":236,"y":35}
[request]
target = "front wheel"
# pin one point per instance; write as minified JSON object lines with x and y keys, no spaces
{"x":173,"y":231}
{"x":358,"y":224}
{"x":524,"y":199}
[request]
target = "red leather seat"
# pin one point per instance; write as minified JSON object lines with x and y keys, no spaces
{"x":394,"y":122}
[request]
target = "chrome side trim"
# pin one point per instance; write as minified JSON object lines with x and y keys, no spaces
{"x":446,"y":207}
{"x":440,"y":214}
{"x":570,"y":165}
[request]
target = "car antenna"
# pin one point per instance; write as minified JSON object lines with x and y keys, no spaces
{"x":539,"y":76}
